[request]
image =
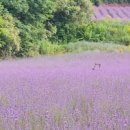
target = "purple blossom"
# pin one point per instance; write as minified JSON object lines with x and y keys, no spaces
{"x":64,"y":93}
{"x":118,"y":12}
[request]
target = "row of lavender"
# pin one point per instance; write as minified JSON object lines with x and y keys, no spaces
{"x":114,"y":12}
{"x":124,"y":2}
{"x":116,"y":1}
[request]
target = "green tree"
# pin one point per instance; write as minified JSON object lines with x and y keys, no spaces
{"x":40,"y":20}
{"x":68,"y":16}
{"x":9,"y":34}
{"x":30,"y":18}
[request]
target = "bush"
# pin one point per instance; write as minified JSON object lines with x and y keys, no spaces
{"x":30,"y":18}
{"x":9,"y":35}
{"x":107,"y":31}
{"x":9,"y":38}
{"x":40,"y":20}
{"x":68,"y":16}
{"x":34,"y":27}
{"x":47,"y":47}
{"x":96,"y":2}
{"x":31,"y":36}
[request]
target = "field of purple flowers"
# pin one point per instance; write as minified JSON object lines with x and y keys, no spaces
{"x":113,"y":11}
{"x":65,"y":92}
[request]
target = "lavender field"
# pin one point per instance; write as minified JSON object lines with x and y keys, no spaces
{"x":65,"y":92}
{"x":114,"y":11}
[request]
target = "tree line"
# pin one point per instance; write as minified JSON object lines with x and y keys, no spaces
{"x":26,"y":24}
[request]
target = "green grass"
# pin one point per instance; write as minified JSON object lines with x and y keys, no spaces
{"x":49,"y":48}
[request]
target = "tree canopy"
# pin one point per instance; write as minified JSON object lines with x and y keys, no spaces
{"x":35,"y":21}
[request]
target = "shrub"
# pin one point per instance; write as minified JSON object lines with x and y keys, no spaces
{"x":30,"y":18}
{"x":40,"y":20}
{"x":33,"y":27}
{"x":9,"y":35}
{"x":47,"y":47}
{"x":97,"y":2}
{"x":68,"y":16}
{"x":30,"y":37}
{"x":107,"y":31}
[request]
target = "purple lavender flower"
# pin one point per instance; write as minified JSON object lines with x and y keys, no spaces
{"x":86,"y":99}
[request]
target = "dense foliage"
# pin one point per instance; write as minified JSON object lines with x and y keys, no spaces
{"x":34,"y":27}
{"x":107,"y":31}
{"x":68,"y":17}
{"x":9,"y":35}
{"x":40,"y":20}
{"x":116,"y":33}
